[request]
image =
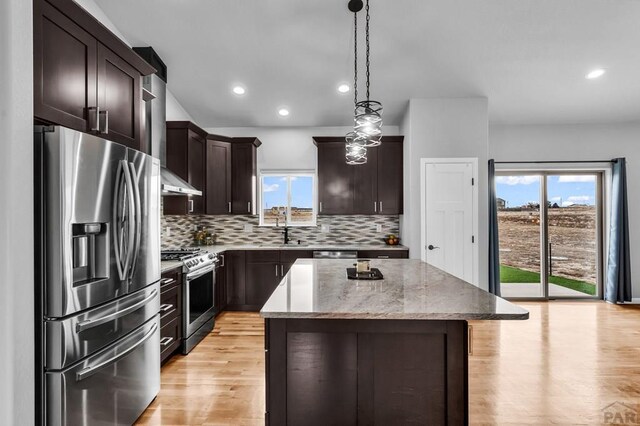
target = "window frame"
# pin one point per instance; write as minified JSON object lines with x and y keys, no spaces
{"x":289,"y":174}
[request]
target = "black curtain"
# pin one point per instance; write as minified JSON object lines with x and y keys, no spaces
{"x":494,"y":243}
{"x":618,"y":285}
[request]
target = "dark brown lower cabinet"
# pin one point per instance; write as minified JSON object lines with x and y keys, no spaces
{"x":289,"y":257}
{"x":170,"y":313}
{"x":220,"y":290}
{"x":366,"y":372}
{"x":235,"y":279}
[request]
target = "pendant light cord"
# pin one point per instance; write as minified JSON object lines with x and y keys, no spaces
{"x":355,"y":58}
{"x":366,"y":31}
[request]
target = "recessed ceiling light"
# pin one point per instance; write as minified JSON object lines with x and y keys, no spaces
{"x":343,"y":88}
{"x":595,"y":73}
{"x":283,"y":112}
{"x":239,"y":90}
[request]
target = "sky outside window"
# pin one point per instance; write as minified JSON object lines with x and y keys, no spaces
{"x":565,"y":190}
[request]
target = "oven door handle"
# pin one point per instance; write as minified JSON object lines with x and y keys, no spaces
{"x":199,"y":273}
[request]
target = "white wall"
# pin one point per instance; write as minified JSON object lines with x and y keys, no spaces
{"x":175,"y":111}
{"x":288,"y":147}
{"x":578,"y":142}
{"x":444,"y":128}
{"x":16,"y":215}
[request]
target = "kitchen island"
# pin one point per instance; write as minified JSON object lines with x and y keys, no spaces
{"x":353,"y":352}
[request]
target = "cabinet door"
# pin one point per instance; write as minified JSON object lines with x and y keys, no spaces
{"x":365,"y":185}
{"x":389,"y":160}
{"x":335,"y":180}
{"x":221,"y":286}
{"x":64,"y":70}
{"x":243,"y":178}
{"x":197,"y":175}
{"x":235,"y":270}
{"x":289,"y":257}
{"x":262,"y":279}
{"x":119,"y":99}
{"x":218,"y":171}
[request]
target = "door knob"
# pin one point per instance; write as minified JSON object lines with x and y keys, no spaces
{"x":431,"y":247}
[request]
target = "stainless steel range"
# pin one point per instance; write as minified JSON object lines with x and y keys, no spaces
{"x":199,"y":267}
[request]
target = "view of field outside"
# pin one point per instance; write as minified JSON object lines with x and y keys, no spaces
{"x":572,"y":264}
{"x":275,"y":199}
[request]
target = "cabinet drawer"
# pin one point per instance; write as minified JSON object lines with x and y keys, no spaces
{"x":170,"y":278}
{"x":263,"y":256}
{"x":170,"y":304}
{"x":383,"y":254}
{"x":170,"y":338}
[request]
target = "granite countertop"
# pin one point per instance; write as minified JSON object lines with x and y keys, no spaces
{"x":411,"y":289}
{"x":221,"y":248}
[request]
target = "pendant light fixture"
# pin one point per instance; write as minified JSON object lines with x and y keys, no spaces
{"x":367,"y":131}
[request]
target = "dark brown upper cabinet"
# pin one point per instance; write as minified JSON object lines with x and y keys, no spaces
{"x":244,"y":175}
{"x":371,"y":188}
{"x":186,"y":157}
{"x":85,"y":78}
{"x":219,"y":177}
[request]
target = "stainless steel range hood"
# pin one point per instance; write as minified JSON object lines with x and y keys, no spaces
{"x":155,"y":95}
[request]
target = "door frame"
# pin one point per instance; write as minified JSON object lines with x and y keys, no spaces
{"x":602,"y":178}
{"x":474,"y":214}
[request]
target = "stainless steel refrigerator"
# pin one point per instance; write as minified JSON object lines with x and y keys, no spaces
{"x":98,"y":263}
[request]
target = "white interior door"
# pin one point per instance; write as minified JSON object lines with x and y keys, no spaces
{"x":448,"y":220}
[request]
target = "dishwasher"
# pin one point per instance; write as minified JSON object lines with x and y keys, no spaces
{"x":335,"y":254}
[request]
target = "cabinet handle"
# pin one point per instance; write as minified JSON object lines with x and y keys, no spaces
{"x":166,"y":281}
{"x":380,"y":206}
{"x":375,"y":207}
{"x":282,"y":270}
{"x":229,"y":206}
{"x":95,"y":122}
{"x":470,"y":340}
{"x":320,"y":206}
{"x":222,"y":257}
{"x":383,"y":257}
{"x":190,"y":206}
{"x":166,"y":307}
{"x":105,"y":128}
{"x":249,"y":206}
{"x":276,"y":270}
{"x":166,"y":341}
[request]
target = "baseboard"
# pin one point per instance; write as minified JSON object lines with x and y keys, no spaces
{"x":634,"y":301}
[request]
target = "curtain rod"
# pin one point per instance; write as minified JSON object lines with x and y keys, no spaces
{"x":555,"y":162}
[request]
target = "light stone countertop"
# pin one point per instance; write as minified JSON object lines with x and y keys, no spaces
{"x":221,"y":248}
{"x":411,"y":290}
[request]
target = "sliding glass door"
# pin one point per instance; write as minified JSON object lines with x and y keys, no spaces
{"x":550,"y":234}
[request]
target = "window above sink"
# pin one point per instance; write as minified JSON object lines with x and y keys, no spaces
{"x":287,"y":198}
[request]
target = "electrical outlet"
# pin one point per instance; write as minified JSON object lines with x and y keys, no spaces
{"x":378,"y":228}
{"x":167,"y":231}
{"x":248,"y":227}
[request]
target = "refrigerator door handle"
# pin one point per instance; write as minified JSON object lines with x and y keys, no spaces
{"x":120,"y":198}
{"x":85,"y":325}
{"x":135,"y":189}
{"x":90,"y":371}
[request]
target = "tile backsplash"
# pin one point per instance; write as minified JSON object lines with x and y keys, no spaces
{"x":356,"y":229}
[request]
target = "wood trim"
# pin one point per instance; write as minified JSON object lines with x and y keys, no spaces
{"x":252,"y":140}
{"x":187,"y":125}
{"x":219,"y":138}
{"x":96,"y":28}
{"x":334,"y":139}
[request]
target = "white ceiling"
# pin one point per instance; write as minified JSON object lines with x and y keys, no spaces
{"x":529,"y":57}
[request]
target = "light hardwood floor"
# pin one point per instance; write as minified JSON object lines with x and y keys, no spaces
{"x":562,"y":366}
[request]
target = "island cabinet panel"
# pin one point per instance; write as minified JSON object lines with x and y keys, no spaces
{"x":323,"y":367}
{"x":289,"y":257}
{"x":366,"y":372}
{"x":218,"y":187}
{"x":371,"y":188}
